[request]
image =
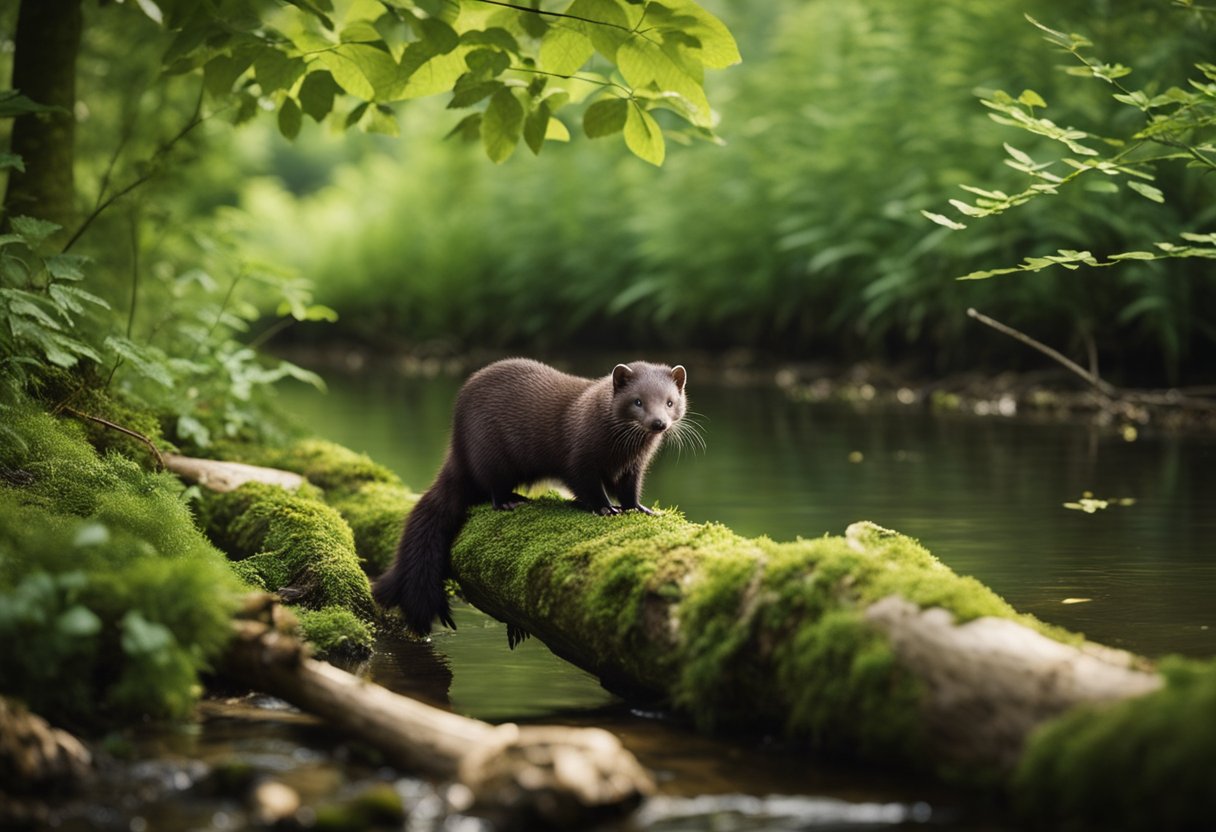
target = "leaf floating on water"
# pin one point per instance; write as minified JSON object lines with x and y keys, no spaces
{"x":1088,"y":505}
{"x":1091,"y":504}
{"x":1076,"y":600}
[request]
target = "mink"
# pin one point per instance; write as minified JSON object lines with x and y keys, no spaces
{"x":519,"y":421}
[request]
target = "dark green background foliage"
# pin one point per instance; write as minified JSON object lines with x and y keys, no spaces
{"x":804,"y":233}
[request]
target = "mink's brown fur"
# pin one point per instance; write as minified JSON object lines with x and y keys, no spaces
{"x":519,"y":421}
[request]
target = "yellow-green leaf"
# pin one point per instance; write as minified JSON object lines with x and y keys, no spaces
{"x":501,"y":125}
{"x":643,"y":136}
{"x":605,"y":117}
{"x":564,"y":50}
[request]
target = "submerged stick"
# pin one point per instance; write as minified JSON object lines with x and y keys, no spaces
{"x":555,"y":775}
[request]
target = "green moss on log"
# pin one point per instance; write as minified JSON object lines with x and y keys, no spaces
{"x":742,"y":613}
{"x":290,"y":543}
{"x":336,"y":633}
{"x":373,"y":500}
{"x":1074,"y":771}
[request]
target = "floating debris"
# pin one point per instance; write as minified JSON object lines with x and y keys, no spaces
{"x":1091,"y":504}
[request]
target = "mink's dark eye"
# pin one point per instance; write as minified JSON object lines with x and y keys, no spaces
{"x":669,"y":402}
{"x":637,"y":402}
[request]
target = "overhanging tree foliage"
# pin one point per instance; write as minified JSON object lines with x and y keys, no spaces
{"x":515,"y":64}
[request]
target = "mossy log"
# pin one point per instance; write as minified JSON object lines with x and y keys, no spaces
{"x":864,"y":644}
{"x":559,"y":776}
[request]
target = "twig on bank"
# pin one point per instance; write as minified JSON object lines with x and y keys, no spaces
{"x":1168,"y":398}
{"x":160,"y":460}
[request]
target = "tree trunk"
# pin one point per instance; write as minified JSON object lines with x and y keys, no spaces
{"x":44,"y":69}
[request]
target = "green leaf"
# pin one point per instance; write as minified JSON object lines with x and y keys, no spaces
{"x":364,"y":71}
{"x":13,"y":104}
{"x":290,"y":118}
{"x":1146,"y":191}
{"x":1032,"y":99}
{"x":152,"y":10}
{"x":356,"y":114}
{"x":148,"y":362}
{"x":78,"y":622}
{"x":466,"y":95}
{"x":564,"y":50}
{"x":556,"y":131}
{"x":943,"y":220}
{"x":1134,"y":255}
{"x":383,"y":120}
{"x":494,"y":36}
{"x":222,"y":71}
{"x":643,"y":136}
{"x":11,"y":161}
{"x":468,"y":128}
{"x":438,"y":74}
{"x":501,"y":126}
{"x":536,"y":125}
{"x":70,"y":297}
{"x":143,"y":637}
{"x":33,"y":231}
{"x":275,"y":71}
{"x":605,"y":117}
{"x":66,"y":266}
{"x":317,"y":94}
{"x":643,"y":62}
{"x":718,"y":48}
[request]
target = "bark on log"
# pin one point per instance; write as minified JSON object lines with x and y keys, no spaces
{"x":219,"y":475}
{"x":552,"y":775}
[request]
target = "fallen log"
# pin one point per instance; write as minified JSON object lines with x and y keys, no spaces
{"x":220,"y":475}
{"x":556,"y":776}
{"x":864,"y":644}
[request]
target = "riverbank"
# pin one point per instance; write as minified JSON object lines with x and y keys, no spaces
{"x":1051,"y":395}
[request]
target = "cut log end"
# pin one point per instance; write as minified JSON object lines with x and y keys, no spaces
{"x":990,"y":682}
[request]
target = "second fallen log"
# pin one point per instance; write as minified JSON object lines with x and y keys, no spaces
{"x":556,"y":775}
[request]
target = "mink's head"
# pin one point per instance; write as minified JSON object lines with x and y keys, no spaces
{"x":649,"y":395}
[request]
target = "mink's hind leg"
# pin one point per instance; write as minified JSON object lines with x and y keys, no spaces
{"x":508,"y":501}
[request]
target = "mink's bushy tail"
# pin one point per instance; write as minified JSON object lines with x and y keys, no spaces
{"x":415,"y":580}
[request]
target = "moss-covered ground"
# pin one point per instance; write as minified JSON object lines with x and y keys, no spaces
{"x":111,"y":600}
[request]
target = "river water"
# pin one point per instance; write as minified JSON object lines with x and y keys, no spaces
{"x":990,"y":497}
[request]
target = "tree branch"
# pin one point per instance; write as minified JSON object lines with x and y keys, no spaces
{"x":546,"y":13}
{"x":195,"y":120}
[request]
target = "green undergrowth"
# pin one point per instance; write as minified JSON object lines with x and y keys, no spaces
{"x":1168,"y":738}
{"x":371,"y":499}
{"x":111,"y":600}
{"x":766,"y":633}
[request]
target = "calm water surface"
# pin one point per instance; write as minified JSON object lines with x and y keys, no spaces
{"x":986,"y":496}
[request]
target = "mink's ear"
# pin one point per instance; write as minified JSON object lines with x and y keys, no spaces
{"x":621,"y":374}
{"x":679,"y":375}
